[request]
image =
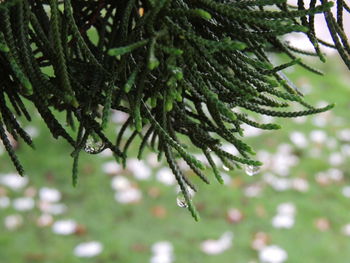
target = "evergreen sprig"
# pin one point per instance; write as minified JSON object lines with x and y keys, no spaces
{"x":178,"y":68}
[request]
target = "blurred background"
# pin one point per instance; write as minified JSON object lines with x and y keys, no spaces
{"x":295,"y":209}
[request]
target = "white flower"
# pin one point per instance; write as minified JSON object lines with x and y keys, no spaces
{"x":299,"y":139}
{"x":130,"y":195}
{"x":214,"y":247}
{"x":283,"y":221}
{"x":64,"y":227}
{"x":88,"y":249}
{"x":23,"y":203}
{"x":4,"y":201}
{"x":139,"y":169}
{"x":49,"y":194}
{"x":165,"y":176}
{"x":272,"y":254}
{"x":111,"y":167}
{"x":13,"y":181}
{"x":13,"y":222}
{"x":120,"y":183}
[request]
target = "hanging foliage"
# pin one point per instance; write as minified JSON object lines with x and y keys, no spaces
{"x":181,"y":69}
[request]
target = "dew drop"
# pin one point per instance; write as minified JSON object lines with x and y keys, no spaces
{"x":94,"y":145}
{"x":252,"y":169}
{"x":225,"y":168}
{"x":181,"y":201}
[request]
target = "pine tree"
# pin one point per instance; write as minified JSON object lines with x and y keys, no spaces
{"x":181,"y":70}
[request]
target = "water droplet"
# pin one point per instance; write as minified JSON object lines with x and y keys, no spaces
{"x":181,"y":201}
{"x":226,"y":168}
{"x":94,"y":145}
{"x":252,"y":169}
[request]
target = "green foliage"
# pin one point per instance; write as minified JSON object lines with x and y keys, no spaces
{"x":177,"y":67}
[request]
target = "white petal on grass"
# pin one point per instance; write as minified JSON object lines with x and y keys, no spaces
{"x":13,"y":222}
{"x":344,"y":135}
{"x":346,"y":230}
{"x":321,"y":120}
{"x":332,"y":143}
{"x":214,"y":247}
{"x":335,"y":174}
{"x":286,"y":209}
{"x":119,"y":116}
{"x":300,"y":184}
{"x":52,"y":208}
{"x":64,"y":227}
{"x":44,"y":220}
{"x":32,"y":131}
{"x":23,"y":203}
{"x":49,"y":194}
{"x":4,"y":202}
{"x":230,"y":148}
{"x":315,"y":152}
{"x":273,"y":254}
{"x":283,"y":221}
{"x":88,"y":249}
{"x":106,"y":153}
{"x":345,"y":150}
{"x":253,"y":190}
{"x":120,"y":183}
{"x":139,"y":169}
{"x":300,"y":120}
{"x":111,"y":167}
{"x":152,"y":160}
{"x":318,"y":136}
{"x":336,"y":159}
{"x":162,"y":258}
{"x":346,"y":191}
{"x":13,"y":181}
{"x":162,"y":252}
{"x":299,"y":139}
{"x":281,"y":184}
{"x":162,"y":247}
{"x":165,"y":176}
{"x":127,"y":196}
{"x":250,"y":131}
{"x":226,"y":178}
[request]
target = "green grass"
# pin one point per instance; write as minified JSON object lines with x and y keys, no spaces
{"x":128,"y":231}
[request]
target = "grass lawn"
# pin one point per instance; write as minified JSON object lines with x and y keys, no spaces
{"x":296,"y":172}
